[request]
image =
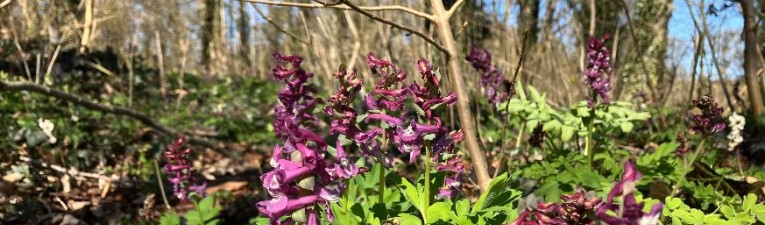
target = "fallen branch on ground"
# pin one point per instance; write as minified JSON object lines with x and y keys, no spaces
{"x":26,"y":86}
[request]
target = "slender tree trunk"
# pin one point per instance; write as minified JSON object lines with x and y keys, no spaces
{"x":160,"y":64}
{"x":751,"y":60}
{"x":244,"y":35}
{"x":480,"y":168}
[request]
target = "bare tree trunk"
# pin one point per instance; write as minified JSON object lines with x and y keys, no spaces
{"x":160,"y":65}
{"x":208,"y":33}
{"x":244,"y":35}
{"x":751,"y":60}
{"x":528,"y":19}
{"x":477,"y":157}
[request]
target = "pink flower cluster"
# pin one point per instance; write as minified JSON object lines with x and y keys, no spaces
{"x":179,"y":171}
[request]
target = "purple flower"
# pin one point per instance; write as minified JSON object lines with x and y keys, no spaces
{"x":598,"y":72}
{"x":179,"y":171}
{"x":302,"y":179}
{"x":630,"y":212}
{"x":493,"y":83}
{"x":386,"y":105}
{"x":452,"y":183}
{"x":710,"y":120}
{"x":283,"y":205}
{"x":574,"y":209}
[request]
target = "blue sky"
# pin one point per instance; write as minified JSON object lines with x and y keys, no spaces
{"x":681,"y":28}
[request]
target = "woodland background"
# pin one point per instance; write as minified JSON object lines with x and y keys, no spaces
{"x":119,"y":79}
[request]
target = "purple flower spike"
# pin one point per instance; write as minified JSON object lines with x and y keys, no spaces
{"x":179,"y":171}
{"x":387,"y":99}
{"x":710,"y":120}
{"x":598,"y":72}
{"x":630,"y":212}
{"x":493,"y":83}
{"x":302,"y":178}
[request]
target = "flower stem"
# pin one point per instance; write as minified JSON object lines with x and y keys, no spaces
{"x":426,"y":200}
{"x":161,"y":185}
{"x":381,"y":182}
{"x":688,"y":165}
{"x":589,"y":150}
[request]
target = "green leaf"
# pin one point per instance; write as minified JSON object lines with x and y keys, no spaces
{"x":759,"y":212}
{"x":429,"y":137}
{"x":535,"y":95}
{"x":686,"y":217}
{"x":170,"y":218}
{"x":626,"y":126}
{"x":496,"y":194}
{"x":749,"y":201}
{"x":194,"y":217}
{"x":462,"y":207}
{"x":406,"y":219}
{"x":341,"y":217}
{"x":567,"y":132}
{"x":519,"y":90}
{"x":411,"y":194}
{"x":440,"y":211}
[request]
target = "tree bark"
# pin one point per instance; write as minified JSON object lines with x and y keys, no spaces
{"x":478,"y":159}
{"x":751,"y":60}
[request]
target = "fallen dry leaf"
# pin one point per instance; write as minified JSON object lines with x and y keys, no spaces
{"x":231,"y":186}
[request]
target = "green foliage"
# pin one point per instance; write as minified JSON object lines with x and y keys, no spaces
{"x":204,"y":213}
{"x":746,"y":211}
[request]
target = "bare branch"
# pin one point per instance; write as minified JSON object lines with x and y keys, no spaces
{"x":27,"y":86}
{"x":4,"y":3}
{"x":271,"y":21}
{"x":345,"y":7}
{"x":457,"y":5}
{"x":399,"y":26}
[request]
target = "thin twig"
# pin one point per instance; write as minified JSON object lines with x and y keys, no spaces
{"x":344,"y":7}
{"x":271,"y":21}
{"x":27,"y":86}
{"x":161,"y":185}
{"x":705,"y":31}
{"x":52,"y":61}
{"x":4,"y":3}
{"x":399,"y":26}
{"x":457,"y":5}
{"x":71,"y":172}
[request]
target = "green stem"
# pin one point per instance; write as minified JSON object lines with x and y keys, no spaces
{"x":426,"y":200}
{"x":589,"y":150}
{"x":688,"y":165}
{"x":381,"y":182}
{"x":161,"y":185}
{"x":519,"y":137}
